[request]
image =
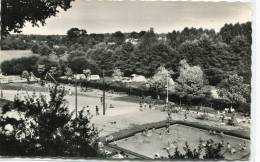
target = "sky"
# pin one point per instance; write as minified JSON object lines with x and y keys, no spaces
{"x":96,"y":16}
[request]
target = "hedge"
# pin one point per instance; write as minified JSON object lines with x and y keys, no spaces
{"x":4,"y":102}
{"x":217,"y":104}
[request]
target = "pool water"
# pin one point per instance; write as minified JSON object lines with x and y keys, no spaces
{"x":157,"y":141}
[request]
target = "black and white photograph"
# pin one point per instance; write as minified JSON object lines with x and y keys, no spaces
{"x":126,"y":80}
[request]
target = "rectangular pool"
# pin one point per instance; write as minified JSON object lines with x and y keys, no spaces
{"x":158,"y":140}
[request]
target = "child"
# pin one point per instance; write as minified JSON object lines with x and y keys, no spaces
{"x":156,"y":156}
{"x":243,"y":148}
{"x":160,"y":135}
{"x":228,"y":147}
{"x":168,"y":129}
{"x":233,"y":150}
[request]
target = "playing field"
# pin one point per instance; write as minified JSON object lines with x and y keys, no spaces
{"x":12,"y":54}
{"x":155,"y":143}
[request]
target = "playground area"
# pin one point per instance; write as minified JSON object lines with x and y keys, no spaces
{"x":158,"y":141}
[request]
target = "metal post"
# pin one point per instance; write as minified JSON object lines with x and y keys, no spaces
{"x":167,"y":89}
{"x":2,"y":95}
{"x":76,"y":98}
{"x":104,"y":95}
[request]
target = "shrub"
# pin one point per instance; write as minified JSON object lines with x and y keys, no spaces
{"x":212,"y":151}
{"x":46,"y":128}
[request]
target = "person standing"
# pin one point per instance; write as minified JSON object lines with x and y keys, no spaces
{"x":101,"y":100}
{"x":69,"y":92}
{"x":88,"y":110}
{"x":97,"y":110}
{"x":34,"y":93}
{"x":185,"y":115}
{"x":228,"y":147}
{"x":2,"y":94}
{"x":223,"y":118}
{"x":150,"y":105}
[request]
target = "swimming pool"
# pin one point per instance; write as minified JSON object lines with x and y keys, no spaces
{"x":157,"y":140}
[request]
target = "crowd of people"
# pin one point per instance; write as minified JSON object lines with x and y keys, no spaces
{"x":232,"y":149}
{"x":229,"y":148}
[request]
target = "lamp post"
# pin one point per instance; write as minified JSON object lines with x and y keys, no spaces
{"x":167,"y":89}
{"x":104,"y":94}
{"x":76,"y":95}
{"x":76,"y":98}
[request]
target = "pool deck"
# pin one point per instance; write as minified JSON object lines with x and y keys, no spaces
{"x":145,"y":149}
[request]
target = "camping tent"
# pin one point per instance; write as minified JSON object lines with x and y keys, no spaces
{"x":138,"y":78}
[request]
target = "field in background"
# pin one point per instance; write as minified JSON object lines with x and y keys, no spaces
{"x":11,"y":54}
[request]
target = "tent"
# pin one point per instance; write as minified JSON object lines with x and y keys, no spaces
{"x":138,"y":78}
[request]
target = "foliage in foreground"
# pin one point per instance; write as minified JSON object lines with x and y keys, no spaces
{"x":37,"y":126}
{"x":16,"y":13}
{"x":208,"y":150}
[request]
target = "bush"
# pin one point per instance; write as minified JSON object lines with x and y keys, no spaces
{"x":211,"y":150}
{"x":46,"y":128}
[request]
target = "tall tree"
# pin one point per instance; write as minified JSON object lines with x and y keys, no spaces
{"x":123,"y":58}
{"x":160,"y":80}
{"x":190,"y":81}
{"x":45,"y":50}
{"x":118,"y":37}
{"x":35,"y":48}
{"x":102,"y":57}
{"x":60,"y":50}
{"x":74,"y":33}
{"x":117,"y":74}
{"x":234,"y":90}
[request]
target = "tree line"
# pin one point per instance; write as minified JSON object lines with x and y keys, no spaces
{"x":217,"y":53}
